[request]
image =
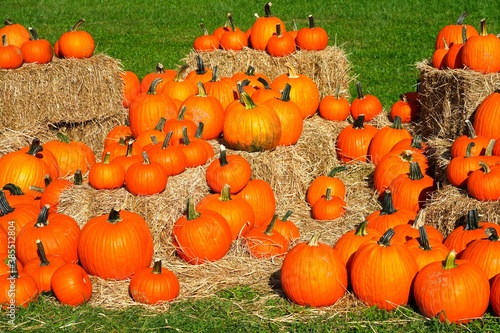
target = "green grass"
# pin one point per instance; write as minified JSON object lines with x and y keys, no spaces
{"x":383,"y":39}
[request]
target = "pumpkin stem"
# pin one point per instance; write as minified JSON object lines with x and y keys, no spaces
{"x":154,"y":139}
{"x":78,"y":178}
{"x":159,"y":68}
{"x":470,"y":129}
{"x":416,"y":142}
{"x":360,"y":90}
{"x":337,"y":93}
{"x":264,"y":83}
{"x":285,"y":95}
{"x":464,"y":34}
{"x":270,"y":226}
{"x":294,"y":25}
{"x":201,"y":89}
{"x":250,"y":71}
{"x":415,"y":171}
{"x":486,"y":168}
{"x":47,"y":180}
{"x":231,"y":22}
{"x":397,"y":124}
{"x":328,"y":194}
{"x":191,"y":210}
{"x":129,"y":148}
{"x":287,"y":215}
{"x":160,"y":124}
{"x":247,"y":100}
{"x":406,"y":155}
{"x":424,"y":239}
{"x":449,"y":262}
{"x":180,"y":73}
{"x":182,"y":112}
{"x":492,"y":234}
{"x":13,"y":189}
{"x":35,"y":147}
{"x":166,"y":141}
{"x":42,"y":219}
{"x":200,"y":65}
{"x":278,"y":29}
{"x":152,"y":86}
{"x":489,"y":148}
{"x":157,"y":267}
{"x":387,"y":204}
{"x":4,"y":40}
{"x":41,"y":253}
{"x":292,"y":72}
{"x":114,"y":216}
{"x":483,"y":27}
{"x":225,"y":193}
{"x":336,"y":170}
{"x":77,"y":24}
{"x":63,"y":137}
{"x":5,"y":207}
{"x":199,"y":130}
{"x":267,"y":9}
{"x":419,"y":219}
{"x":472,"y":221}
{"x":34,"y":34}
{"x":223,"y":156}
{"x":215,"y":73}
{"x":311,"y":21}
{"x":204,"y":28}
{"x":461,"y":18}
{"x":106,"y":157}
{"x":385,"y":240}
{"x":145,"y":158}
{"x":314,"y":240}
{"x":185,"y":138}
{"x":359,"y":122}
{"x":361,"y":229}
{"x":468,"y":149}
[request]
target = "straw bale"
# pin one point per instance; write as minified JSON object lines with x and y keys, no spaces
{"x":329,"y":68}
{"x":62,"y":92}
{"x":448,"y":97}
{"x":289,"y":170}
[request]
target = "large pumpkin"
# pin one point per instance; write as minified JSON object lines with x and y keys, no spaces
{"x":487,"y":116}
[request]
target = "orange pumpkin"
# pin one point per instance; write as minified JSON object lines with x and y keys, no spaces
{"x":233,"y":170}
{"x":76,"y":43}
{"x":11,"y":56}
{"x":481,"y":53}
{"x":312,"y":38}
{"x":353,"y":141}
{"x":280,"y":44}
{"x":71,"y":285}
{"x":385,"y":138}
{"x":15,"y":33}
{"x":206,"y":42}
{"x":260,"y":195}
{"x":263,"y":28}
{"x":453,"y":32}
{"x":233,"y":39}
{"x":264,"y":242}
{"x":365,"y":104}
{"x":36,"y":50}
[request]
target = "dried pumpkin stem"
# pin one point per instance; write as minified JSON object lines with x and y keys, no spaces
{"x":41,"y":253}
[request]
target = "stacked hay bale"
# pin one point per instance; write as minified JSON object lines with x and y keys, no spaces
{"x":82,"y":97}
{"x":448,"y":97}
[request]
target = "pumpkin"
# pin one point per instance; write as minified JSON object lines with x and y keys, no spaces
{"x":179,"y":88}
{"x":11,"y":56}
{"x":15,"y":33}
{"x":280,"y":44}
{"x":234,"y":39}
{"x":334,"y":107}
{"x":485,"y":253}
{"x":264,"y":242}
{"x":131,"y":87}
{"x":115,"y":245}
{"x":147,"y":108}
{"x":105,"y":175}
{"x":146,"y":177}
{"x":14,"y":218}
{"x":233,"y":170}
{"x":366,"y":104}
{"x":404,"y":109}
{"x":36,"y":50}
{"x":201,"y":73}
{"x":206,"y":42}
{"x":126,"y":145}
{"x":132,"y":155}
{"x":312,"y":38}
{"x":15,"y":195}
{"x":59,"y":233}
{"x":194,"y":149}
{"x":146,"y":137}
{"x":495,"y":295}
{"x":472,"y":229}
{"x":257,"y":80}
{"x":453,"y":58}
{"x":236,"y":210}
{"x":43,"y":267}
{"x":260,"y":195}
{"x":25,"y":289}
{"x":453,"y":32}
{"x":382,"y":273}
{"x":265,"y":93}
{"x":313,"y":274}
{"x":481,"y":53}
{"x":484,"y":184}
{"x":459,"y":145}
{"x":176,"y":126}
{"x":8,"y":259}
{"x":318,"y":186}
{"x":222,"y":88}
{"x":459,"y":168}
{"x":117,"y":132}
{"x":405,"y":232}
{"x":305,"y":92}
{"x":160,"y":72}
{"x":287,"y":228}
{"x":251,"y":127}
{"x":71,"y":285}
{"x":451,"y":301}
{"x":353,"y":141}
{"x":76,"y":43}
{"x":414,"y":144}
{"x":425,"y":250}
{"x":154,"y":286}
{"x":487,"y":116}
{"x":385,"y":138}
{"x":389,"y":217}
{"x":51,"y":194}
{"x":200,"y":236}
{"x":328,"y":207}
{"x":71,"y":155}
{"x":439,"y":56}
{"x":411,"y":190}
{"x":263,"y":28}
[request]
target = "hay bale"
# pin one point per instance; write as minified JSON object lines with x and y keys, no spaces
{"x":449,"y":97}
{"x":62,"y":92}
{"x":329,"y":68}
{"x":289,"y":170}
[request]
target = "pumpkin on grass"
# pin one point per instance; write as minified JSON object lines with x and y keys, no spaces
{"x":24,"y":286}
{"x":71,"y":285}
{"x":464,"y":296}
{"x":313,"y":274}
{"x":154,"y":285}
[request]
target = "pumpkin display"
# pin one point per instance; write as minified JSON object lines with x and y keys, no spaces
{"x":260,"y":195}
{"x":318,"y":186}
{"x":207,"y":42}
{"x":311,"y":38}
{"x":194,"y":149}
{"x":51,"y":194}
{"x":171,"y":157}
{"x":460,"y":167}
{"x":365,"y":104}
{"x":452,"y":33}
{"x":334,"y":107}
{"x":405,"y":109}
{"x":154,"y":285}
{"x":382,"y":273}
{"x":14,"y":218}
{"x":71,"y":285}
{"x":449,"y":302}
{"x":118,"y":132}
{"x":115,"y":245}
{"x":265,"y":242}
{"x":263,"y":28}
{"x":236,"y":210}
{"x":439,"y":56}
{"x":200,"y":236}
{"x":146,"y":138}
{"x":76,"y":43}
{"x":15,"y":195}
{"x":36,"y":50}
{"x":222,"y":88}
{"x":179,"y":88}
{"x":280,"y":44}
{"x":313,"y":274}
{"x":133,"y":154}
{"x":354,"y":140}
{"x":265,"y":93}
{"x":257,"y":80}
{"x":201,"y":73}
{"x":16,"y":33}
{"x":233,"y":170}
{"x":453,"y":58}
{"x":385,"y":138}
{"x":481,"y":53}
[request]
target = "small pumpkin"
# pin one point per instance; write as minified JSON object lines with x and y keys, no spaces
{"x":453,"y":32}
{"x":485,"y":253}
{"x":264,"y":242}
{"x":263,"y":28}
{"x":206,"y":42}
{"x":353,"y":141}
{"x":312,"y":38}
{"x":318,"y":186}
{"x":334,"y":107}
{"x":425,"y":250}
{"x":280,"y":44}
{"x":233,"y":170}
{"x":233,"y":39}
{"x":328,"y":207}
{"x":11,"y":56}
{"x":287,"y":228}
{"x":76,"y":43}
{"x":36,"y":50}
{"x":16,"y":33}
{"x":26,"y":289}
{"x":71,"y":285}
{"x":367,"y":104}
{"x":146,"y":177}
{"x":105,"y":175}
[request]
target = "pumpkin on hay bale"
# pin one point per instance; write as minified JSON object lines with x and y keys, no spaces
{"x":448,"y":97}
{"x":82,"y":97}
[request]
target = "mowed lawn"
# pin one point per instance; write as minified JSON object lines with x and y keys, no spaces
{"x":383,"y":41}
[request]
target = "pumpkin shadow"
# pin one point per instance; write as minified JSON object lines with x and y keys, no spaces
{"x":275,"y":284}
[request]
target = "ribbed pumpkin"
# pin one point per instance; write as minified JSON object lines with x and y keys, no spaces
{"x":311,"y":38}
{"x":425,"y":250}
{"x":14,"y":218}
{"x":382,"y":273}
{"x":11,"y":56}
{"x":280,"y":44}
{"x":131,"y":87}
{"x":263,"y":28}
{"x":334,"y":107}
{"x":439,"y":56}
{"x":257,"y":80}
{"x":353,"y":141}
{"x":26,"y":289}
{"x":160,"y":72}
{"x":194,"y":149}
{"x":71,"y":285}
{"x":251,"y":127}
{"x":328,"y":207}
{"x":388,"y":216}
{"x":260,"y":195}
{"x":234,"y":38}
{"x":233,"y":170}
{"x":385,"y":138}
{"x":201,"y":73}
{"x":495,"y":295}
{"x":459,"y":145}
{"x":36,"y":50}
{"x":265,"y":93}
{"x":201,"y":236}
{"x":406,"y":110}
{"x":481,"y":52}
{"x":452,"y":301}
{"x":236,"y":210}
{"x":207,"y":42}
{"x":287,"y":228}
{"x":487,"y":116}
{"x":155,"y":285}
{"x":453,"y":58}
{"x":484,"y":184}
{"x":313,"y":274}
{"x":171,"y":157}
{"x":453,"y":32}
{"x":222,"y":88}
{"x":265,"y":242}
{"x":105,"y":175}
{"x":15,"y":33}
{"x":318,"y":186}
{"x":365,"y":104}
{"x":146,"y":177}
{"x":405,"y":232}
{"x":485,"y":252}
{"x":76,"y":43}
{"x":304,"y":92}
{"x":179,"y":88}
{"x":115,"y":245}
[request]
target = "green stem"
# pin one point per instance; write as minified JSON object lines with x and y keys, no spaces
{"x":449,"y":262}
{"x":424,"y":239}
{"x":200,"y":65}
{"x":472,"y":221}
{"x":415,"y":171}
{"x":152,"y":86}
{"x":223,"y":156}
{"x":387,"y":204}
{"x":385,"y":240}
{"x":285,"y":95}
{"x":114,"y":216}
{"x":191,"y":210}
{"x":286,"y":216}
{"x":314,"y":240}
{"x":311,"y":21}
{"x":361,"y":229}
{"x":336,"y":170}
{"x":166,"y":141}
{"x":270,"y":226}
{"x":157,"y":267}
{"x":77,"y":24}
{"x":360,"y":90}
